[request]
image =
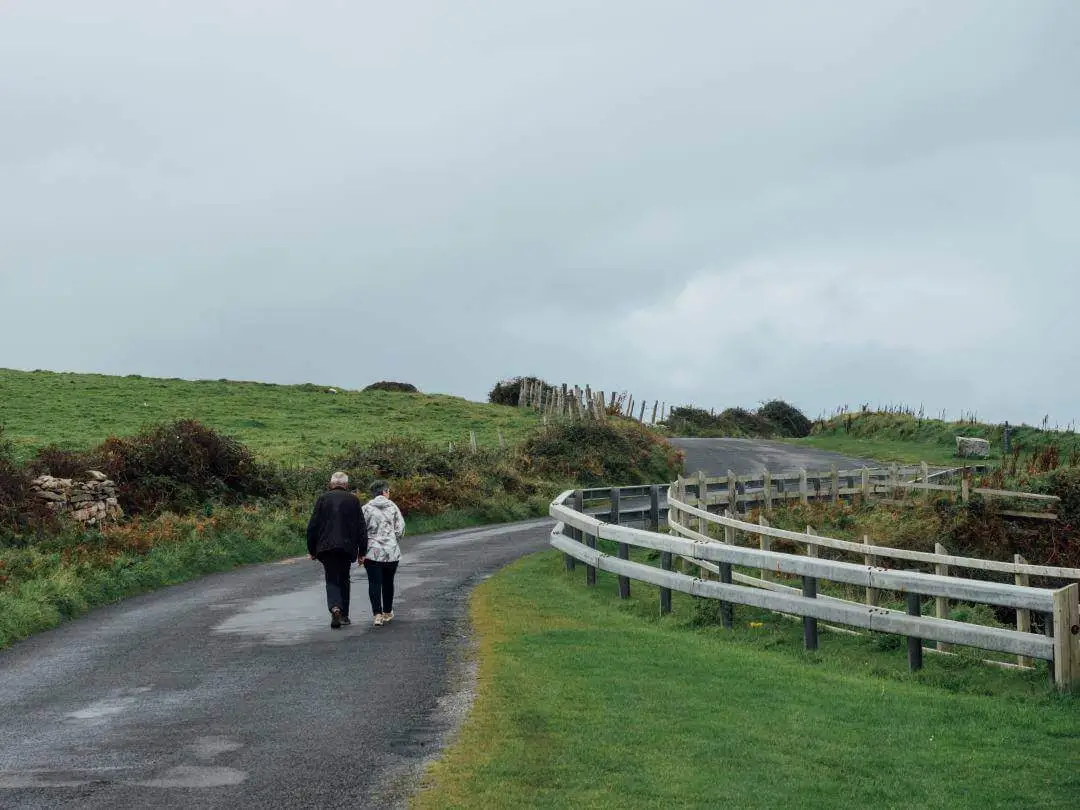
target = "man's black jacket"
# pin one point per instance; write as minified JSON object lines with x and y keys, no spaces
{"x":337,"y":525}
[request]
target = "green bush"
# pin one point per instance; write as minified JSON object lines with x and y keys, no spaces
{"x":615,"y":451}
{"x":508,"y":392}
{"x":788,"y":420}
{"x":399,"y":387}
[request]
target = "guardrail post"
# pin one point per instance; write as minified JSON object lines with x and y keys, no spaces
{"x":765,"y":544}
{"x":870,"y":560}
{"x":665,"y":593}
{"x":578,"y":504}
{"x":941,"y":603}
{"x":624,"y":550}
{"x":809,"y":625}
{"x":727,"y":609}
{"x":914,"y":645}
{"x":654,"y":508}
{"x":1067,"y":637}
{"x":1023,"y":616}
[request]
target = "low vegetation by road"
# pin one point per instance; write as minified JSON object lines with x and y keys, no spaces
{"x":588,"y":702}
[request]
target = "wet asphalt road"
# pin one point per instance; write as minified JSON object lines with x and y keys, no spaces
{"x":745,"y":456}
{"x":233,"y":691}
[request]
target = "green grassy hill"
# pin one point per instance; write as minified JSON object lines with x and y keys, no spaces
{"x":907,"y":438}
{"x":286,"y":423}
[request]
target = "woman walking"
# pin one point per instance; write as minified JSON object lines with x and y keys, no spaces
{"x":385,"y":526}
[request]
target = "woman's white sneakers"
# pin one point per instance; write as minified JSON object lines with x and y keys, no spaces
{"x":382,"y":618}
{"x":386,"y":617}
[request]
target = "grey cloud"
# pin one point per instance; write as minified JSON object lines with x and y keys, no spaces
{"x":226,"y":189}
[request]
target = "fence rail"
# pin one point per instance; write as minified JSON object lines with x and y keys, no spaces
{"x":576,"y":534}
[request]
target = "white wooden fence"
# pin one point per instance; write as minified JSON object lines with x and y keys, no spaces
{"x":576,"y":534}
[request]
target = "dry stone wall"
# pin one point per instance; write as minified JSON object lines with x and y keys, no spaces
{"x":89,"y":502}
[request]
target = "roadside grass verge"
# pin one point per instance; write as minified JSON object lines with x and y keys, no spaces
{"x":290,"y":424}
{"x":902,"y":451}
{"x":586,"y":701}
{"x":61,"y":578}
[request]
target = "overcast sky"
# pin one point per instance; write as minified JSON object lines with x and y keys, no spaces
{"x":708,"y":202}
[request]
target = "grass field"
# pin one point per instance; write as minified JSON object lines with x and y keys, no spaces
{"x":291,"y":424}
{"x":883,"y":448}
{"x":586,"y":702}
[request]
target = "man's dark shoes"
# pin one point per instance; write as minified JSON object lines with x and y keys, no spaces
{"x":335,"y":619}
{"x":345,"y":620}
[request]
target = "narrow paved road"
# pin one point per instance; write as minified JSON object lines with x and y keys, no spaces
{"x":745,"y":456}
{"x":232,"y":691}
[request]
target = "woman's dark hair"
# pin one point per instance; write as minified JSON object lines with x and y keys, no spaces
{"x":379,"y":487}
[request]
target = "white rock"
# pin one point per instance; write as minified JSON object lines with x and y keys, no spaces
{"x":969,"y":447}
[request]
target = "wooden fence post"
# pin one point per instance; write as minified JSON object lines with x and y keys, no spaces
{"x":727,"y":609}
{"x":703,"y":524}
{"x":665,"y":593}
{"x":577,"y":504}
{"x":870,"y":560}
{"x":641,"y":416}
{"x":866,"y":483}
{"x":941,"y":602}
{"x":804,"y":488}
{"x":1067,"y":637}
{"x":765,"y":544}
{"x":733,"y":492}
{"x":810,"y":630}
{"x":590,"y":540}
{"x":835,"y":486}
{"x":1023,"y":615}
{"x":914,"y":645}
{"x":654,"y":508}
{"x":623,"y":549}
{"x":766,"y":486}
{"x":925,"y":468}
{"x":656,"y":403}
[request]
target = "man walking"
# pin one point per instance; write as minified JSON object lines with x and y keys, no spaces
{"x":337,"y":535}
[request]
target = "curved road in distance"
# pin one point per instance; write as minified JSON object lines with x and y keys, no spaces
{"x":746,"y":456}
{"x":231,"y":691}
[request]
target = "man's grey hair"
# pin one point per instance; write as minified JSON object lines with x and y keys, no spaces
{"x":379,"y":487}
{"x":339,"y":480}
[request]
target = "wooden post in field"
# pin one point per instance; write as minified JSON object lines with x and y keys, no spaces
{"x":563,"y":392}
{"x":925,"y":469}
{"x":733,"y":492}
{"x":590,"y":540}
{"x":872,"y":594}
{"x":522,"y":392}
{"x":804,"y":487}
{"x":654,"y":508}
{"x":866,"y":492}
{"x":766,"y":486}
{"x":624,"y":549}
{"x":656,"y":403}
{"x":1023,"y":615}
{"x":835,"y":486}
{"x":630,"y":407}
{"x":941,"y":603}
{"x":472,"y":440}
{"x":1067,"y":637}
{"x":590,"y":402}
{"x":663,"y":406}
{"x":765,"y":544}
{"x":914,"y":645}
{"x":641,"y":416}
{"x":809,"y":590}
{"x":703,"y":524}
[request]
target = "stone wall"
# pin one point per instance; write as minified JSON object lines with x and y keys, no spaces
{"x":88,"y":502}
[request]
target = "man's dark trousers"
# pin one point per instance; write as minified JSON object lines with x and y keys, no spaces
{"x":336,"y":566}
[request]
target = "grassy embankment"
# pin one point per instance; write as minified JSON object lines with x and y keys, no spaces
{"x":290,"y":424}
{"x":584,"y":701}
{"x":906,"y":438}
